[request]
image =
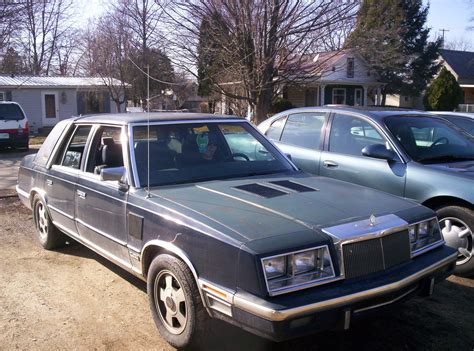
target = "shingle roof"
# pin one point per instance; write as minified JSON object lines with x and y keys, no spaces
{"x":462,"y":62}
{"x":314,"y":64}
{"x":38,"y":82}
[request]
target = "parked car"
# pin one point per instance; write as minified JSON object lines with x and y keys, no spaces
{"x":221,"y":224}
{"x":464,"y":120}
{"x":14,"y":128}
{"x":407,"y":153}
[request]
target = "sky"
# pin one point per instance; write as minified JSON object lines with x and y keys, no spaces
{"x":452,"y":15}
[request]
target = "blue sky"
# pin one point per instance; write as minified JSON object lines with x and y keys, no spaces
{"x":443,"y":14}
{"x":452,"y":15}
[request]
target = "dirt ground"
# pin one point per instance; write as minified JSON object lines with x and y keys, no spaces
{"x":72,"y":299}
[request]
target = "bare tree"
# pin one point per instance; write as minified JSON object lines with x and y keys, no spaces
{"x":44,"y":22}
{"x":459,"y":43}
{"x":9,"y":16}
{"x":257,"y":41}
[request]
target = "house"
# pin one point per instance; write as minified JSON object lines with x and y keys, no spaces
{"x":461,"y":65}
{"x":335,"y":77}
{"x":47,"y":100}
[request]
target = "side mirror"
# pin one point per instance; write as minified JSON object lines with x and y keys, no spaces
{"x":115,"y":174}
{"x":379,"y":151}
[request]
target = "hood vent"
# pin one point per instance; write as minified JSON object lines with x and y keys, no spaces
{"x":261,"y":190}
{"x":293,"y":186}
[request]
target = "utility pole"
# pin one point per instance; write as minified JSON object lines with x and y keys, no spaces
{"x":442,"y":35}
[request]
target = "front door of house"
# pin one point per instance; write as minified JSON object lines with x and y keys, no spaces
{"x":49,"y":102}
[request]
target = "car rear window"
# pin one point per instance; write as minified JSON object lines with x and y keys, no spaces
{"x":47,"y":148}
{"x":10,"y":112}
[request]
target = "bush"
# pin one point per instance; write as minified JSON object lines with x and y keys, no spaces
{"x":280,"y":104}
{"x":444,"y":93}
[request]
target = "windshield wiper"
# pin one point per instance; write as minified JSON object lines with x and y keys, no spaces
{"x":445,"y":158}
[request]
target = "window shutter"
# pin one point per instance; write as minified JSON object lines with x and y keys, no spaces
{"x":8,"y":95}
{"x":106,"y":102}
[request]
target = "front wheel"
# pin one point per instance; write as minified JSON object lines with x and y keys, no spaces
{"x":457,"y":226}
{"x":175,"y":302}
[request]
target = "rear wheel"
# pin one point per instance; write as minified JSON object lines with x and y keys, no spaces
{"x":48,"y":235}
{"x":175,"y":302}
{"x":457,"y":226}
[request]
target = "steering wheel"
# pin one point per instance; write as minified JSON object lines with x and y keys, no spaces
{"x":439,"y":140}
{"x":238,"y":154}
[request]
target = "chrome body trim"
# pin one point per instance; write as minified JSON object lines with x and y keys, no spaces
{"x":301,"y":286}
{"x":22,"y":192}
{"x":55,"y":209}
{"x":256,"y":305}
{"x":123,"y":264}
{"x":98,"y":231}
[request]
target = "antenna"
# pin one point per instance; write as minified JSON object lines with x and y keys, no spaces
{"x":148,"y":130}
{"x":443,"y":31}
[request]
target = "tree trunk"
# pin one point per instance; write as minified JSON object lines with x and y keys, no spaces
{"x":262,"y":107}
{"x":118,"y":106}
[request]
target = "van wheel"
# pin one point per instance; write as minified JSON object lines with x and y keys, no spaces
{"x":175,"y":303}
{"x":457,"y":226}
{"x":48,"y":235}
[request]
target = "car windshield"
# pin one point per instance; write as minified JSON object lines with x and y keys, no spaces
{"x":465,"y":123}
{"x":193,"y":152}
{"x":430,"y":139}
{"x":10,"y":112}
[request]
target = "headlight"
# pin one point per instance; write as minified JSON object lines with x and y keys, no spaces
{"x":275,"y":267}
{"x":423,"y":235}
{"x":297,"y":270}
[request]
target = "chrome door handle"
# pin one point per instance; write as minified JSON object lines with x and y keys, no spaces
{"x":49,"y":182}
{"x":81,"y":194}
{"x":330,"y":164}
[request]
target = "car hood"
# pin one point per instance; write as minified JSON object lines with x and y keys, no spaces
{"x":465,"y":168}
{"x":251,"y":215}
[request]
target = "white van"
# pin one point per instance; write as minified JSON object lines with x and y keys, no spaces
{"x":14,"y":128}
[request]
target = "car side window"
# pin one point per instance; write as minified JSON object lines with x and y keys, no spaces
{"x":349,"y":135}
{"x":304,"y":129}
{"x":72,"y":155}
{"x":274,"y":132}
{"x":106,"y":150}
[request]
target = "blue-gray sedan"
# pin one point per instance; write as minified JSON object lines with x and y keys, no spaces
{"x":408,"y":153}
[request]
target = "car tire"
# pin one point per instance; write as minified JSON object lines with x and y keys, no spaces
{"x":457,"y":225}
{"x":175,"y":303}
{"x":48,"y":235}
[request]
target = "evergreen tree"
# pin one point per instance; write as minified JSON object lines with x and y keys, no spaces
{"x":12,"y":62}
{"x":392,"y":37}
{"x":444,"y":93}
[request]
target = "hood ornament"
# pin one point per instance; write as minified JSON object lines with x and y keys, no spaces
{"x":372,"y":220}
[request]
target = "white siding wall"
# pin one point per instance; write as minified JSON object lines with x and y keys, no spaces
{"x":30,"y":101}
{"x":340,"y":73}
{"x":296,"y":96}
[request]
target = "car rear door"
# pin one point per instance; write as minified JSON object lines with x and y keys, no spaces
{"x":301,"y":138}
{"x":61,"y":178}
{"x":342,"y":158}
{"x":101,"y":205}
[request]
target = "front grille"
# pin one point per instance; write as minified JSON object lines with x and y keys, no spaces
{"x":374,"y":255}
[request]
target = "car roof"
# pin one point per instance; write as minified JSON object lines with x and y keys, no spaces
{"x":143,"y":117}
{"x":455,"y":114}
{"x":376,"y":112}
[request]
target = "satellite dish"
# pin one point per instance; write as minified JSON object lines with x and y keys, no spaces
{"x":316,"y":58}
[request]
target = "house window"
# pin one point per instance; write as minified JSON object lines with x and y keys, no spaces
{"x":2,"y":96}
{"x":339,"y":96}
{"x":350,"y":67}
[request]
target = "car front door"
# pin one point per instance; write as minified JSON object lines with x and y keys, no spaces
{"x":343,"y":159}
{"x":61,"y":179}
{"x":101,"y":205}
{"x":301,"y":138}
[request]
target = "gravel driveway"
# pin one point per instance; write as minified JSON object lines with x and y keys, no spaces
{"x":72,"y":299}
